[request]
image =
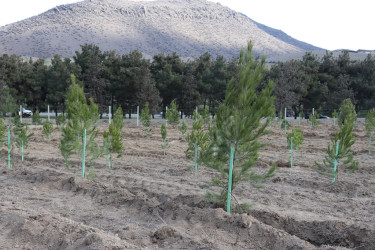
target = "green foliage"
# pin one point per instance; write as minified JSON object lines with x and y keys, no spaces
{"x":164,"y":137}
{"x":81,"y":116}
{"x":7,"y":102}
{"x":3,"y":130}
{"x":36,"y":120}
{"x":334,"y":114}
{"x":22,"y":138}
{"x":183,"y":128}
{"x":370,"y":122}
{"x":114,"y":136}
{"x":197,"y":136}
{"x":239,"y":124}
{"x":206,"y":116}
{"x":297,"y":138}
{"x":347,"y":112}
{"x":345,"y":138}
{"x":173,"y":117}
{"x":47,"y":129}
{"x":146,"y":120}
{"x":314,"y":121}
{"x":60,"y":120}
{"x":284,"y":123}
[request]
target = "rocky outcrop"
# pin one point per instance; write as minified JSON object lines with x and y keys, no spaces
{"x":188,"y":27}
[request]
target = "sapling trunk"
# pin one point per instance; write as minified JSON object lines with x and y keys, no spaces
{"x":230,"y":174}
{"x":163,"y":131}
{"x":9,"y":147}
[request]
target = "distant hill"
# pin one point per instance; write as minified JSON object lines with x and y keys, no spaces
{"x":187,"y":27}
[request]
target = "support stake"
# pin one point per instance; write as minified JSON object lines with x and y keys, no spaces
{"x":335,"y":167}
{"x":83,"y":153}
{"x":230,"y":179}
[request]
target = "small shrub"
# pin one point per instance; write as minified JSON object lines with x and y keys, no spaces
{"x":173,"y":117}
{"x":345,"y":139}
{"x":284,"y":123}
{"x":183,"y":128}
{"x":36,"y":120}
{"x":164,"y":137}
{"x":297,"y":138}
{"x":314,"y":121}
{"x":347,"y":112}
{"x":112,"y":138}
{"x":146,"y":120}
{"x":47,"y":129}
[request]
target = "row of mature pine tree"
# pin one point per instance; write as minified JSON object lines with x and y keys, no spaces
{"x":131,"y":80}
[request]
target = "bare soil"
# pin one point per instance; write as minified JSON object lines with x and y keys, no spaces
{"x":149,"y":201}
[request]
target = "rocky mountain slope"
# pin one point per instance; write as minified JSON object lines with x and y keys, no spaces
{"x":188,"y":27}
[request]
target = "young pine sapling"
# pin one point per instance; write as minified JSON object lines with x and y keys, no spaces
{"x":197,"y":139}
{"x":294,"y":139}
{"x":314,"y":120}
{"x":36,"y":120}
{"x":370,"y":126}
{"x":113,"y":137}
{"x":339,"y":151}
{"x":81,"y":123}
{"x":146,"y":120}
{"x":164,"y":137}
{"x":173,"y":117}
{"x":239,"y":124}
{"x":183,"y":128}
{"x":47,"y":129}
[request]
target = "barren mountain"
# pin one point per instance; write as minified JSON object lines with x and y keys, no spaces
{"x":188,"y":27}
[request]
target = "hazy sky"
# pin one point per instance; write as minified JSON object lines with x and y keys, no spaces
{"x":330,"y":24}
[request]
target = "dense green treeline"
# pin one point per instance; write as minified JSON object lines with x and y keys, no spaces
{"x":324,"y":83}
{"x":131,"y":80}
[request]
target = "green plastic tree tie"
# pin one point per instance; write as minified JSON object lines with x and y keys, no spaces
{"x":109,"y":159}
{"x":84,"y":153}
{"x":335,"y":167}
{"x":285,"y":126}
{"x":291,"y":152}
{"x":196,"y":157}
{"x":230,"y":179}
{"x":8,"y":148}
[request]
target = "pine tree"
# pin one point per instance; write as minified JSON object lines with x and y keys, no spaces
{"x":47,"y":129}
{"x":163,"y":131}
{"x":146,"y":120}
{"x":197,"y":139}
{"x":173,"y":117}
{"x":113,"y":137}
{"x":339,"y":151}
{"x":36,"y":120}
{"x":239,"y":125}
{"x":347,"y":112}
{"x":81,"y":117}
